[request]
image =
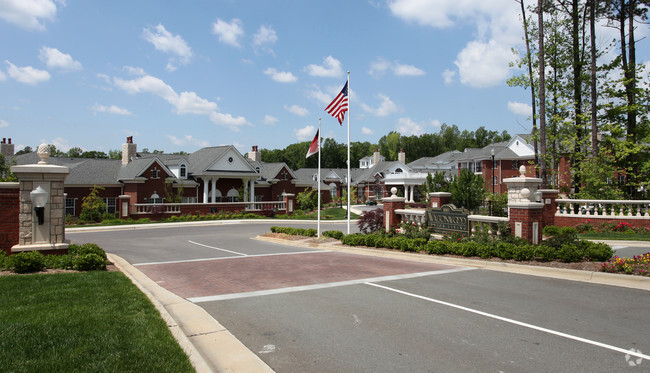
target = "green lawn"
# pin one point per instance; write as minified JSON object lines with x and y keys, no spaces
{"x":333,"y":213}
{"x":83,"y":322}
{"x":624,"y":236}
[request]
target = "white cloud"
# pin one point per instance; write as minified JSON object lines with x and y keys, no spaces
{"x":187,"y":140}
{"x":55,"y":59}
{"x":386,"y":107}
{"x":60,"y":143}
{"x":183,"y":103}
{"x":305,"y":134}
{"x":27,"y":74}
{"x":380,"y":66}
{"x":407,"y":70}
{"x":320,"y":96}
{"x":520,"y":108}
{"x":280,"y":76}
{"x":3,"y":77}
{"x":264,"y":38}
{"x":484,"y":64}
{"x":136,"y":71}
{"x":28,"y":14}
{"x":297,"y":110}
{"x":367,"y":131}
{"x":436,"y":123}
{"x":229,"y":33}
{"x":408,"y":127}
{"x":97,"y":108}
{"x":269,"y":120}
{"x":3,"y":123}
{"x":331,"y":68}
{"x":165,"y":42}
{"x":484,"y":61}
{"x":448,"y":76}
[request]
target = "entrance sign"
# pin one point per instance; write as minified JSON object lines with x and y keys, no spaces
{"x":448,"y":219}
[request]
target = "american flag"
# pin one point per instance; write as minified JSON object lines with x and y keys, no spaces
{"x":339,"y":106}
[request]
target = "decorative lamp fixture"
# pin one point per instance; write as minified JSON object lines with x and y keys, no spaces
{"x":39,"y":198}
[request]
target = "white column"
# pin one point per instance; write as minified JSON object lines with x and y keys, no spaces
{"x":412,"y":193}
{"x":245,"y":183}
{"x":406,"y":192}
{"x":214,"y":189}
{"x":205,"y":190}
{"x":252,"y":190}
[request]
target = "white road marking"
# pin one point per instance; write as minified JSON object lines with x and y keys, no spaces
{"x":267,"y":349}
{"x":212,"y":298}
{"x":216,"y":248}
{"x":511,"y":321}
{"x":228,"y":257}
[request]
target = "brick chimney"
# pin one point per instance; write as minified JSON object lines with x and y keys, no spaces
{"x":401,"y":156}
{"x":375,"y":157}
{"x":254,"y":155}
{"x":128,"y":150}
{"x":7,"y":149}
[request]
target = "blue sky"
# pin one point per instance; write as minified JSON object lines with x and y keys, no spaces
{"x":184,"y":75}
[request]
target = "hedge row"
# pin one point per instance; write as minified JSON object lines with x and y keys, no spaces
{"x":565,"y":252}
{"x":295,"y":231}
{"x":86,"y":257}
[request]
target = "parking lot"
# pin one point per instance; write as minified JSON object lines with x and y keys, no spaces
{"x":312,"y":310}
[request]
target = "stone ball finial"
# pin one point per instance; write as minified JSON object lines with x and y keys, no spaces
{"x":522,"y":171}
{"x":43,"y":153}
{"x":393,"y":191}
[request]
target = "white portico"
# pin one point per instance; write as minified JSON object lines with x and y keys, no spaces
{"x":230,"y":168}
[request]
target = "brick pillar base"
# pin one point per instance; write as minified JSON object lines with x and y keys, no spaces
{"x":290,"y":202}
{"x":526,"y":222}
{"x":550,"y":206}
{"x":10,"y":207}
{"x":124,"y":208}
{"x":439,"y":199}
{"x":391,"y":204}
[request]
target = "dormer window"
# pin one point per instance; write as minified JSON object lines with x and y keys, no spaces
{"x":183,"y":171}
{"x":284,"y":175}
{"x":154,"y":173}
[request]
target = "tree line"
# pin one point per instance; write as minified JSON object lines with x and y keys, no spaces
{"x":334,"y":155}
{"x":590,"y":97}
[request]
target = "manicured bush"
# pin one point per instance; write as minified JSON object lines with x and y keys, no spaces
{"x":87,"y":248}
{"x":88,"y":262}
{"x":354,"y":239}
{"x":27,"y":261}
{"x":333,"y":234}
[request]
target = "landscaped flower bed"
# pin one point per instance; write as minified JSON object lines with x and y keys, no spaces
{"x":639,"y":265}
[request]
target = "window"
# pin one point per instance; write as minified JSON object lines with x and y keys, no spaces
{"x":398,"y":171}
{"x":621,"y":179}
{"x":70,"y":206}
{"x":514,"y":165}
{"x":495,"y":180}
{"x":284,"y":175}
{"x":188,"y":200}
{"x":183,"y":171}
{"x":155,"y":199}
{"x":111,"y":205}
{"x":232,"y":196}
{"x":154,"y":173}
{"x":333,"y":190}
{"x":479,"y":166}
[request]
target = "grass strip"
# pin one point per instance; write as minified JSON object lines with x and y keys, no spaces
{"x":83,"y":322}
{"x":620,"y":236}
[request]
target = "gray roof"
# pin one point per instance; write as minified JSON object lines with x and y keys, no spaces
{"x":203,"y":158}
{"x":436,"y":162}
{"x":83,"y":171}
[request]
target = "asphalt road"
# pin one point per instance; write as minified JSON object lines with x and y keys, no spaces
{"x":305,"y":310}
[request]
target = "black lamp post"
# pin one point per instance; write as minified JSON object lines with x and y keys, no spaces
{"x":492,"y":154}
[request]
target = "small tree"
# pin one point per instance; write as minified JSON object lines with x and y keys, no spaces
{"x":172,"y":197}
{"x":434,"y":183}
{"x":353,"y":191}
{"x":468,"y":190}
{"x":92,"y":206}
{"x":371,"y":221}
{"x":307,"y":200}
{"x":5,"y":170}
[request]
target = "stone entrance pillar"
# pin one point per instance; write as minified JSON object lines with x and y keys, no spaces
{"x":289,"y":201}
{"x":525,"y":206}
{"x":439,"y":199}
{"x":48,"y":237}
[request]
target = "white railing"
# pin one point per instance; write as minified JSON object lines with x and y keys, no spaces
{"x":410,"y":216}
{"x":149,"y":208}
{"x":487,"y":224}
{"x":603,"y":209}
{"x":175,"y":208}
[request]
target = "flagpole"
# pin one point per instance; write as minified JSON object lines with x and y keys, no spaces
{"x":349,"y":179}
{"x":318,"y":196}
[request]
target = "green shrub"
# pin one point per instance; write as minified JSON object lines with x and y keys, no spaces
{"x":87,"y":248}
{"x":354,"y":239}
{"x":27,"y":261}
{"x":3,"y":260}
{"x":597,"y":252}
{"x":333,"y":234}
{"x":88,"y":262}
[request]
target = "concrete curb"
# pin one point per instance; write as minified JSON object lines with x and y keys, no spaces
{"x":210,"y":346}
{"x":601,"y":278}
